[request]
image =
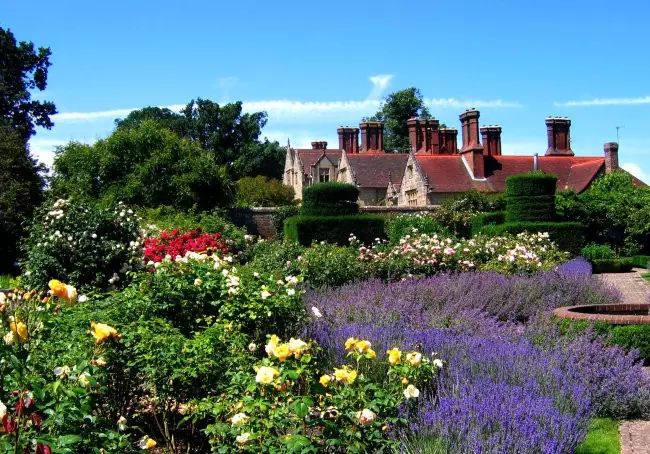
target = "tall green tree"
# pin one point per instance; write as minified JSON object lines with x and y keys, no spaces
{"x":147,"y":166}
{"x":395,"y":110}
{"x":23,"y":69}
{"x":232,"y":136}
{"x":21,"y":190}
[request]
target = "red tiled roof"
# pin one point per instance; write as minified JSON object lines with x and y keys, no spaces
{"x":309,"y":156}
{"x":449,"y":174}
{"x":376,"y":170}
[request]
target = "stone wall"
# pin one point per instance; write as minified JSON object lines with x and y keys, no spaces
{"x":259,"y":221}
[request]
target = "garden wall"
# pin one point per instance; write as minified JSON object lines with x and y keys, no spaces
{"x":259,"y":221}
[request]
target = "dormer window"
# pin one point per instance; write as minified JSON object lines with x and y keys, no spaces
{"x":409,"y":172}
{"x":323,"y":175}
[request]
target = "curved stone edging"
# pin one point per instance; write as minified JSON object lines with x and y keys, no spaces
{"x":572,"y":312}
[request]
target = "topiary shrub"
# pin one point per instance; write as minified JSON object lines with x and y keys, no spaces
{"x":330,"y":199}
{"x":595,"y":251}
{"x":530,"y":197}
{"x":613,"y":265}
{"x":333,"y":229}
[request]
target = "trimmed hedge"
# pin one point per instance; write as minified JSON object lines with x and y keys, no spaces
{"x":615,"y":265}
{"x":333,"y":229}
{"x":531,"y":184}
{"x":530,"y":208}
{"x":330,"y":199}
{"x":641,"y":261}
{"x":569,"y":236}
{"x":481,"y":220}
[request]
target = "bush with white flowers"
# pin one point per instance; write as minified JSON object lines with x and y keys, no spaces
{"x":85,"y":245}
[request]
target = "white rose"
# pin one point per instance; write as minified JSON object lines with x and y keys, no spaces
{"x":243,"y":438}
{"x":411,"y":392}
{"x":239,"y":419}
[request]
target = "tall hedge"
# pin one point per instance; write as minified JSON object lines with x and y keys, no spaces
{"x":530,"y":197}
{"x":334,"y":229}
{"x":330,"y":199}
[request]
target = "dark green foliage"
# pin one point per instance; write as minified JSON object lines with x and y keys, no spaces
{"x":327,"y":265}
{"x":632,"y":336}
{"x":333,"y":229}
{"x":615,"y":211}
{"x":21,"y":188}
{"x":277,"y":257}
{"x":456,"y":214}
{"x":23,"y":69}
{"x":530,"y":208}
{"x":569,"y":236}
{"x":613,"y":265}
{"x":483,"y":219}
{"x":530,"y":184}
{"x":280,"y":215}
{"x":260,"y":191}
{"x":395,"y":110}
{"x":641,"y":261}
{"x":330,"y":199}
{"x":530,"y":197}
{"x":414,"y":224}
{"x":595,"y":251}
{"x":144,"y":166}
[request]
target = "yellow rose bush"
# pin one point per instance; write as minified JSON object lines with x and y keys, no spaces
{"x":290,"y":402}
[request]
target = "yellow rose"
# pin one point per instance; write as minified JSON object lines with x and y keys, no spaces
{"x":325,"y":380}
{"x":282,"y":352}
{"x":20,"y":330}
{"x":411,"y":392}
{"x":414,"y":358}
{"x":63,"y":291}
{"x":266,"y":375}
{"x":147,"y":443}
{"x":103,"y":332}
{"x":394,"y":356}
{"x":370,"y":354}
{"x":345,"y":375}
{"x":405,"y":381}
{"x":362,"y":346}
{"x":350,"y":343}
{"x":297,"y":347}
{"x":273,"y":342}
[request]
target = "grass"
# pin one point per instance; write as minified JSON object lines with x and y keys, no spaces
{"x":646,"y":276}
{"x":602,"y":438}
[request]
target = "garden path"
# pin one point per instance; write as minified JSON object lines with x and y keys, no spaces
{"x":635,"y":435}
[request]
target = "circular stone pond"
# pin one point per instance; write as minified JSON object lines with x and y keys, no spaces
{"x":615,"y":314}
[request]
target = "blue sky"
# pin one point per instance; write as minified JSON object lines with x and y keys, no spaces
{"x":316,"y":65}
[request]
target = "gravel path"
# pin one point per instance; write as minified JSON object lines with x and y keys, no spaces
{"x":635,"y":435}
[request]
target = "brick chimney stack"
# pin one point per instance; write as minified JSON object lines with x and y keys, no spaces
{"x":348,"y":139}
{"x":423,"y":135}
{"x":611,"y":157}
{"x":472,"y":151}
{"x":372,"y":136}
{"x":558,"y":130}
{"x":320,"y":145}
{"x":491,"y":138}
{"x":448,"y":140}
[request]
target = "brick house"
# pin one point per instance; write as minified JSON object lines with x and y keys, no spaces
{"x":436,"y":168}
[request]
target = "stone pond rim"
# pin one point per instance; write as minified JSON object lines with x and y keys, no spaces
{"x":615,"y":314}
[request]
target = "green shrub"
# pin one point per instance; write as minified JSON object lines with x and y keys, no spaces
{"x":614,"y":265}
{"x":275,"y":257}
{"x":569,"y":236}
{"x":530,"y":197}
{"x":641,"y":261}
{"x":631,"y":337}
{"x":531,"y":184}
{"x":483,"y":219}
{"x":280,"y":215}
{"x":333,"y":229}
{"x":409,"y":224}
{"x":261,"y":191}
{"x":86,"y":246}
{"x":325,"y":264}
{"x":594,"y":251}
{"x":456,"y":214}
{"x":333,"y":199}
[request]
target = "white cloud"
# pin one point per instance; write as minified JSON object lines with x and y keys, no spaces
{"x":380,"y":83}
{"x":448,"y":103}
{"x":636,"y":170}
{"x":605,"y":102}
{"x":90,"y":116}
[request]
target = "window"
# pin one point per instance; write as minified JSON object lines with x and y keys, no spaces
{"x":409,"y":171}
{"x":323,"y":175}
{"x":412,"y":197}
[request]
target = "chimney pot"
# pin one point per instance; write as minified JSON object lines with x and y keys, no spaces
{"x":558,"y":131}
{"x":491,"y":137}
{"x":348,"y":139}
{"x":423,"y":135}
{"x":372,"y":136}
{"x":319,"y":145}
{"x":448,"y":140}
{"x":611,"y":157}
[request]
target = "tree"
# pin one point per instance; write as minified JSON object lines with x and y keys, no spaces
{"x":395,"y":110}
{"x":261,"y":192}
{"x":21,"y":187}
{"x":147,"y":166}
{"x":224,"y":130}
{"x":23,"y":69}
